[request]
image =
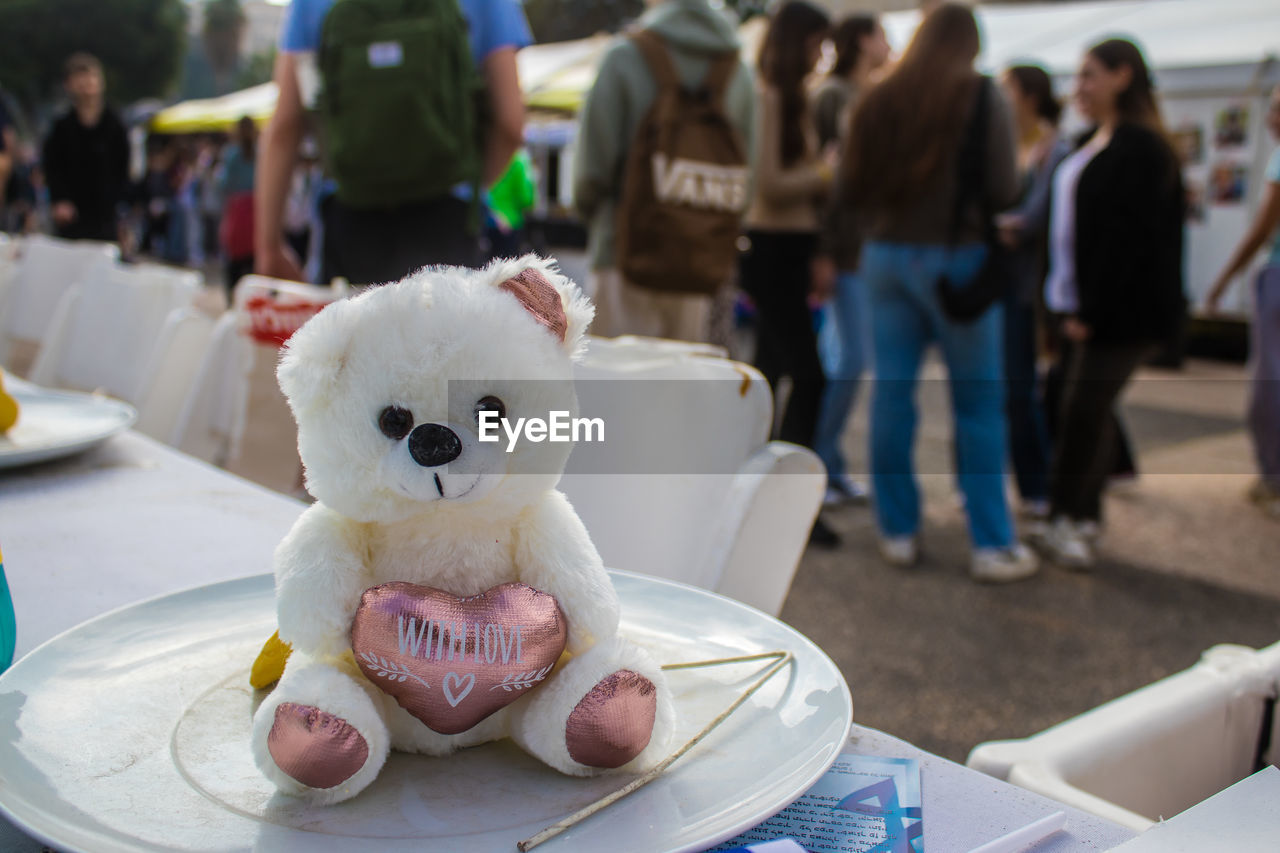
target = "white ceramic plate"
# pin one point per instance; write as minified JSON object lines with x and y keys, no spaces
{"x":131,"y":733}
{"x":53,"y":424}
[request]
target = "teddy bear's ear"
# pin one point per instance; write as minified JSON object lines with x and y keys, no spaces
{"x":553,"y":300}
{"x":313,"y":359}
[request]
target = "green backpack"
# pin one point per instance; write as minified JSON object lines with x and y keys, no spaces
{"x":399,"y":102}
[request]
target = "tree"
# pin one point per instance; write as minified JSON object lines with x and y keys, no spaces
{"x":258,"y":68}
{"x":561,"y":20}
{"x":222,"y":35}
{"x":139,"y":42}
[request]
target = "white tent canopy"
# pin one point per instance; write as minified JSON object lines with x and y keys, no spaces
{"x":1175,"y":35}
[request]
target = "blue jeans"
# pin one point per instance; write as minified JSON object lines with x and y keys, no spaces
{"x":901,"y":281}
{"x":844,"y":344}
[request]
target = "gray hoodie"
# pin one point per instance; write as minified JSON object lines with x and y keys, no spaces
{"x":623,"y":92}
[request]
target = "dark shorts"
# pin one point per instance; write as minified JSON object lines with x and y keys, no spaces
{"x":378,"y":246}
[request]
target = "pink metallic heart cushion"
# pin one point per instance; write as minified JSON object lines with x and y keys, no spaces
{"x":453,"y":661}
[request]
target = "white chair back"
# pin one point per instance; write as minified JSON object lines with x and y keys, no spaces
{"x":103,"y":332}
{"x":167,"y":380}
{"x":1159,"y":750}
{"x":211,"y":423}
{"x":714,"y":511}
{"x":46,"y":269}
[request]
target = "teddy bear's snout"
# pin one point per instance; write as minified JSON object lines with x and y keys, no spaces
{"x":432,"y":445}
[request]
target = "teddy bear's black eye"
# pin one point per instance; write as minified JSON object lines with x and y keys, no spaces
{"x":490,"y":404}
{"x":395,"y":422}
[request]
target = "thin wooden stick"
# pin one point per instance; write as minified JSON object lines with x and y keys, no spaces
{"x":783,"y":659}
{"x":699,"y":664}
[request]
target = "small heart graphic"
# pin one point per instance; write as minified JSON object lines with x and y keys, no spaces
{"x":430,"y":650}
{"x":453,"y":678}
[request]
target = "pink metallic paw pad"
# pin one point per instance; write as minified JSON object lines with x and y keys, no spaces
{"x":315,"y":748}
{"x":613,"y":723}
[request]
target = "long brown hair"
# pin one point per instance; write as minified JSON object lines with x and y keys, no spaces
{"x":905,"y":129}
{"x":784,"y":64}
{"x":847,"y":38}
{"x":1136,"y":104}
{"x":1035,"y":83}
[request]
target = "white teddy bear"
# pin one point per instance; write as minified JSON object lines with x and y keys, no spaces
{"x":429,"y":593}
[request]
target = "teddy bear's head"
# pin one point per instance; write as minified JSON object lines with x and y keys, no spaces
{"x":389,"y":389}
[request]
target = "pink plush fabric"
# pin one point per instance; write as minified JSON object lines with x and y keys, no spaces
{"x":316,"y":748}
{"x":540,"y":299}
{"x":613,"y":723}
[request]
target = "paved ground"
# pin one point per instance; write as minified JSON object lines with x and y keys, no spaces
{"x":946,"y":663}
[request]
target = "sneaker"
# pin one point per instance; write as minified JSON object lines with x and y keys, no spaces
{"x":844,"y":489}
{"x":900,"y":551}
{"x":1003,"y":565}
{"x":1038,"y":533}
{"x":822,"y":535}
{"x":1091,"y":530}
{"x":1036,"y":509}
{"x":1068,"y":544}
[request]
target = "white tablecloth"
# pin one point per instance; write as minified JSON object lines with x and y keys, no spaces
{"x":134,"y":519}
{"x":128,"y":521}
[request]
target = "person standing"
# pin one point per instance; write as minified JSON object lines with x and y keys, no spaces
{"x":86,"y":158}
{"x":844,"y":342}
{"x":901,"y":176}
{"x":1115,"y":278}
{"x":791,"y":181}
{"x":397,"y":205}
{"x":235,"y":185}
{"x":694,"y":40}
{"x":1024,"y":230}
{"x":1264,"y":400}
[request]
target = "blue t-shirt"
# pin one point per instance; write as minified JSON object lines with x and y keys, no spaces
{"x":492,"y":24}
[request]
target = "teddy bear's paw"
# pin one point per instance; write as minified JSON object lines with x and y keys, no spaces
{"x":613,"y":723}
{"x":319,"y":736}
{"x":316,"y":748}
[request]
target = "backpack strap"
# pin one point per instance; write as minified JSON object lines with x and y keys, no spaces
{"x":722,"y":69}
{"x":655,"y":53}
{"x":971,"y":164}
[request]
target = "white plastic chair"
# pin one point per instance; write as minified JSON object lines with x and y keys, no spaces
{"x":1159,"y":750}
{"x":46,"y":268}
{"x":167,"y":380}
{"x":725,"y":509}
{"x":631,"y":346}
{"x":8,"y":272}
{"x":211,"y":422}
{"x":102,"y":334}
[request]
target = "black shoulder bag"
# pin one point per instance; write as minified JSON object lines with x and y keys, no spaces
{"x":966,"y":303}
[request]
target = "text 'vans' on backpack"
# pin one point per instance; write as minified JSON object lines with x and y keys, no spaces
{"x":685,"y":182}
{"x":400,"y":101}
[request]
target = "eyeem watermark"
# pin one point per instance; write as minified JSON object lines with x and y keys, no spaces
{"x":560,"y":427}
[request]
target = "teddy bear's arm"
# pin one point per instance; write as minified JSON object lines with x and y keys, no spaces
{"x":555,"y":554}
{"x":320,"y":577}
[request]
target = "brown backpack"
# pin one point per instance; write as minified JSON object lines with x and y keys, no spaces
{"x":685,"y":183}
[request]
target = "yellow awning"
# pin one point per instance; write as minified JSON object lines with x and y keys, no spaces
{"x":211,"y":115}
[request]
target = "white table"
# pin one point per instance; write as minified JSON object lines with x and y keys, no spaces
{"x":130,"y":520}
{"x":134,"y":519}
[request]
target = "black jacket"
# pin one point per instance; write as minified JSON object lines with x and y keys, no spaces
{"x":88,"y":166}
{"x":1130,"y":211}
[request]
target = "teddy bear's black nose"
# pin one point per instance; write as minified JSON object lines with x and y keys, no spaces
{"x":432,"y":444}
